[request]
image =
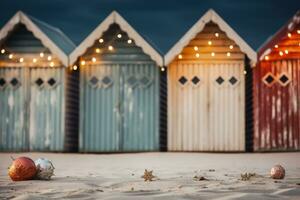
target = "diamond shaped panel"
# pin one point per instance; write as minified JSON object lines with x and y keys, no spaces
{"x":182,"y":80}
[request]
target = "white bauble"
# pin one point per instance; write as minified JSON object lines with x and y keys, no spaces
{"x":44,"y":168}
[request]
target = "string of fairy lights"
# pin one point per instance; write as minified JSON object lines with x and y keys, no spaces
{"x":209,"y":43}
{"x":285,"y":51}
{"x":99,"y":50}
{"x":41,"y":57}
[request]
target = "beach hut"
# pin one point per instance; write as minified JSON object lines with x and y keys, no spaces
{"x":207,"y":84}
{"x":119,"y":89}
{"x":34,"y":83}
{"x":277,"y":91}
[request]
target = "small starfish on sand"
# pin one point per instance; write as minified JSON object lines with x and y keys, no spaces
{"x":148,"y":176}
{"x":246,"y":176}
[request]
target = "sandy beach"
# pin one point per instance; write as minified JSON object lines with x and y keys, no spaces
{"x":118,"y":176}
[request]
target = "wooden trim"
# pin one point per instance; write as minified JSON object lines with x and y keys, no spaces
{"x":22,"y":18}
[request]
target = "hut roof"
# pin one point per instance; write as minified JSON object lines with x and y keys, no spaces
{"x":51,"y":37}
{"x":267,"y":46}
{"x":115,"y":17}
{"x":209,"y":16}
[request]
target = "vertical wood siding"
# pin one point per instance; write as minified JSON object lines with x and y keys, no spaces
{"x":276,"y":107}
{"x":208,"y":116}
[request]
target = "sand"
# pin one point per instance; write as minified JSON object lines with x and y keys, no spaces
{"x":118,"y":176}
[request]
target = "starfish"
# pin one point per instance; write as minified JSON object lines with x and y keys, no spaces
{"x":148,"y":176}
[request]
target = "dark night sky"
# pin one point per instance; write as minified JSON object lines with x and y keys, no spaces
{"x":162,"y":22}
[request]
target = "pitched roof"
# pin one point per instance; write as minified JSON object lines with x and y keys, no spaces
{"x":210,"y":15}
{"x":53,"y":38}
{"x":267,"y":46}
{"x":115,"y":17}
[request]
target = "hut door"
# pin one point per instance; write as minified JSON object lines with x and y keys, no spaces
{"x":206,"y":107}
{"x":12,"y":109}
{"x":46,"y":109}
{"x":140,"y":107}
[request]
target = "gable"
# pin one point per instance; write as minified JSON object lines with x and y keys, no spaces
{"x":209,"y":16}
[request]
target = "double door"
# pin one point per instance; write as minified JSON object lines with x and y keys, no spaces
{"x":119,"y":108}
{"x":206,"y":107}
{"x":31,"y":107}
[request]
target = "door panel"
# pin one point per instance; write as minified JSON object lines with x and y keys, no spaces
{"x":140,"y":107}
{"x":226,"y":114}
{"x":12,"y":109}
{"x":101,"y":117}
{"x":46,"y":109}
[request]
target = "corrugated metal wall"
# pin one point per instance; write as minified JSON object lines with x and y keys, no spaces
{"x":276,"y":105}
{"x":249,"y":121}
{"x":163,"y":111}
{"x":71,"y":110}
{"x":207,"y":116}
{"x":119,"y":108}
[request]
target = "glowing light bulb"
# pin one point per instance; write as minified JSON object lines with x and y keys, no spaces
{"x":245,"y":72}
{"x":179,"y":56}
{"x":34,"y":60}
{"x":110,"y":48}
{"x":276,"y":46}
{"x":129,"y":41}
{"x":52,"y":64}
{"x":298,"y":31}
{"x":266,"y":57}
{"x":2,"y":51}
{"x":196,"y":48}
{"x":94,"y":59}
{"x":49,"y":58}
{"x":280,"y":53}
{"x":11,"y":56}
{"x":42,"y":55}
{"x":228,"y":54}
{"x":286,"y":51}
{"x":21,"y":60}
{"x":119,"y":35}
{"x":231,"y":47}
{"x":101,"y":40}
{"x":75,"y":67}
{"x":197,"y":55}
{"x":289,"y":35}
{"x":209,"y":42}
{"x":217,"y":34}
{"x":97,"y":50}
{"x":213,"y":54}
{"x":82,"y":62}
{"x":162,"y":69}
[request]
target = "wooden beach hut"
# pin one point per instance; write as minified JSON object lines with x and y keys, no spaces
{"x":277,"y":91}
{"x":119,"y":89}
{"x":35,"y":98}
{"x":209,"y":70}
